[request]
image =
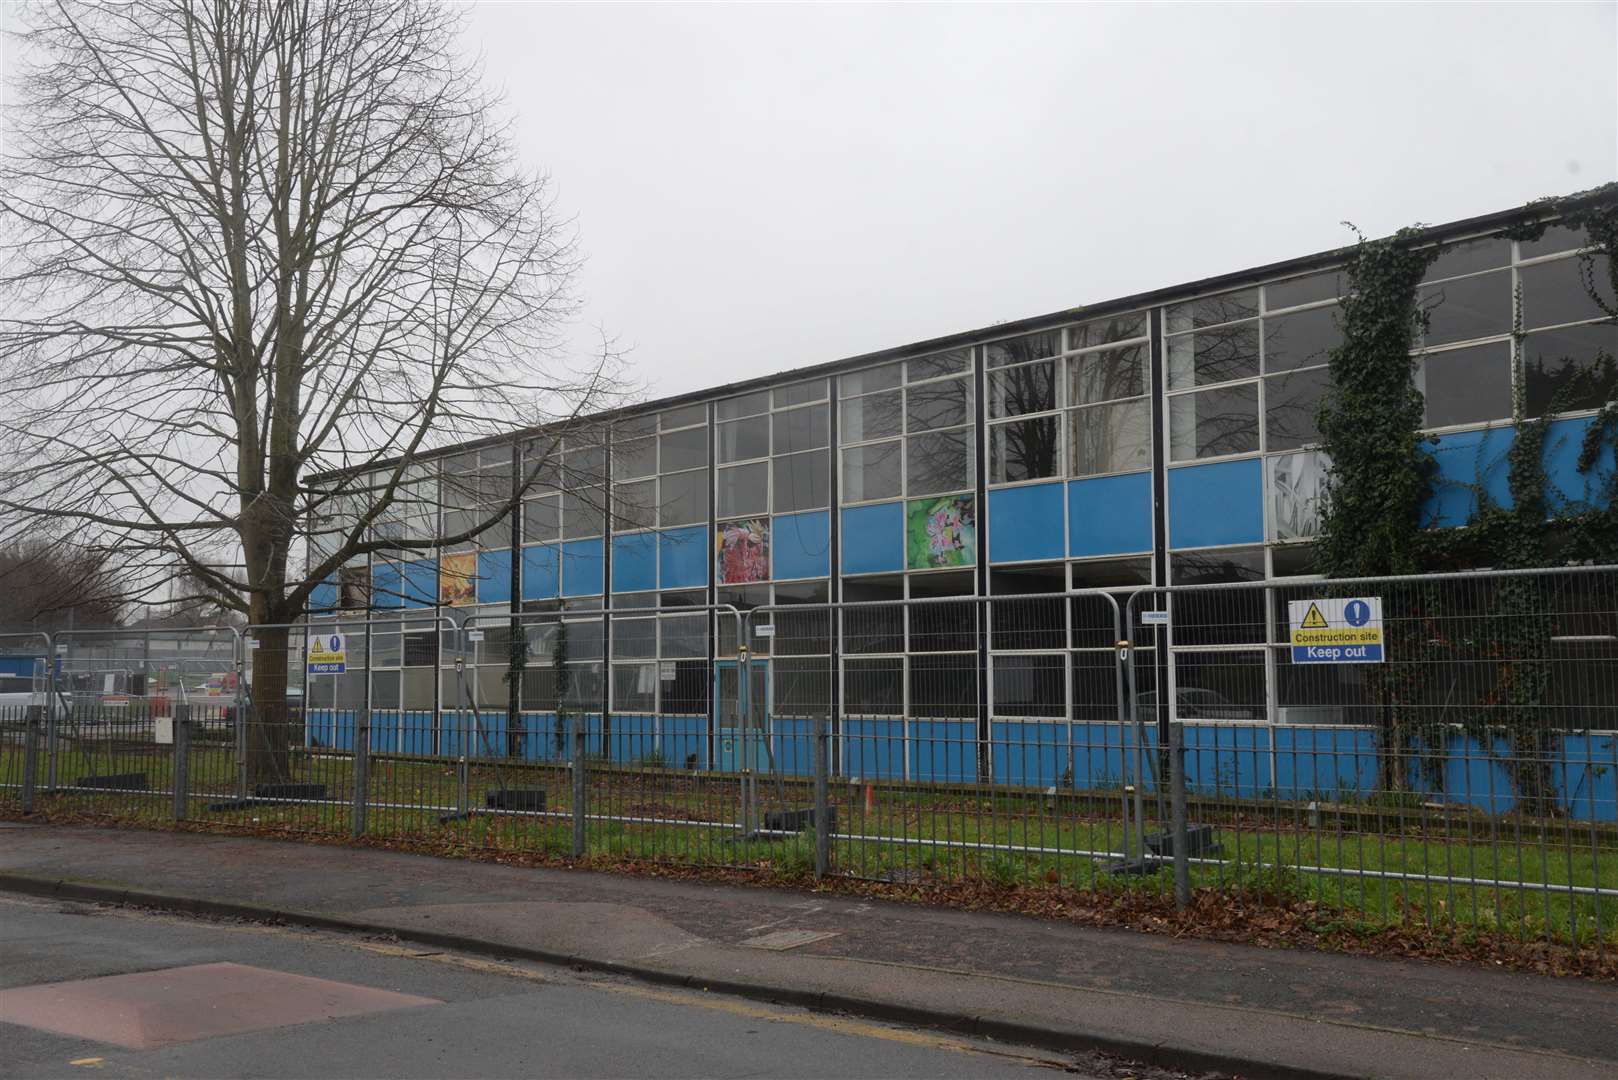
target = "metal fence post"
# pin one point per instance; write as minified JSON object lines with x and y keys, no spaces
{"x":362,"y":763}
{"x":30,"y":756}
{"x":1182,"y":857}
{"x":182,"y":760}
{"x":822,"y":807}
{"x":578,"y":784}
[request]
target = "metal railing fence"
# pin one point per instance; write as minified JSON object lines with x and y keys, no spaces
{"x":1085,"y":739}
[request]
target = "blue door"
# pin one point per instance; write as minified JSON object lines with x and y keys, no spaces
{"x":739,"y":749}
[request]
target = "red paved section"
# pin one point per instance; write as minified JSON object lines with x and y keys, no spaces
{"x":185,"y":1004}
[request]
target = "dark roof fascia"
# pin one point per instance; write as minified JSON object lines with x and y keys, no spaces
{"x":1481,"y":224}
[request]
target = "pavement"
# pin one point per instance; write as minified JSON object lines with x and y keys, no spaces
{"x":1179,"y":1003}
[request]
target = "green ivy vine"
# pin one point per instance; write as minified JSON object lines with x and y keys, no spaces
{"x":1382,"y":473}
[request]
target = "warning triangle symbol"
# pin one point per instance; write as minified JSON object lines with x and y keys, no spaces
{"x":1314,"y":620}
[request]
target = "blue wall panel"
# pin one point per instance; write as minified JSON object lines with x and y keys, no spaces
{"x":1025,"y":523}
{"x":494,"y":577}
{"x":1325,"y":763}
{"x":685,"y":738}
{"x":801,"y":545}
{"x":634,"y":562}
{"x":633,"y":738}
{"x":873,"y":749}
{"x":1032,"y":753}
{"x":323,"y":597}
{"x":420,"y":583}
{"x":1109,"y":515}
{"x":1099,"y":755}
{"x":1468,"y":461}
{"x":582,"y":567}
{"x":944,"y":750}
{"x":386,"y":584}
{"x":1570,"y":488}
{"x":541,"y":572}
{"x":792,"y":741}
{"x":1223,"y":759}
{"x":683,"y":555}
{"x":1586,"y":778}
{"x":1222,"y":503}
{"x":873,"y":538}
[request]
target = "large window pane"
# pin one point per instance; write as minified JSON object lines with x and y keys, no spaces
{"x":1470,"y":256}
{"x":1213,"y":422}
{"x":874,"y":417}
{"x":686,"y":449}
{"x":634,"y":458}
{"x":1467,"y":386}
{"x":801,"y":482}
{"x":1291,"y":401}
{"x":1303,"y":290}
{"x":938,"y":405}
{"x":800,"y":429}
{"x":634,"y":688}
{"x":1302,"y":339}
{"x":1469,"y":308}
{"x":1025,"y":450}
{"x":939,"y":461}
{"x":1031,"y":686}
{"x":684,"y":498}
{"x":1560,"y":292}
{"x":684,"y":416}
{"x":746,"y":405}
{"x":871,"y":472}
{"x":1551,"y":359}
{"x":864,"y":382}
{"x":802,"y":687}
{"x":1029,"y":347}
{"x":1107,"y":375}
{"x":1028,"y":388}
{"x":1212,"y":310}
{"x":1213,"y":356}
{"x":944,"y":685}
{"x":798,"y":393}
{"x":740,"y":440}
{"x":1105,"y":331}
{"x":744,"y":489}
{"x":931,"y":367}
{"x":582,"y":512}
{"x":873,"y":687}
{"x":875,"y":621}
{"x":804,"y":627}
{"x":683,"y":635}
{"x":635,"y":505}
{"x":634,"y":638}
{"x":1111,"y":438}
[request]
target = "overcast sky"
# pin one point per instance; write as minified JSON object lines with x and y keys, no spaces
{"x":759,"y":188}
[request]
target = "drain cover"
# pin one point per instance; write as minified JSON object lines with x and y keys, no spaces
{"x":782,"y":940}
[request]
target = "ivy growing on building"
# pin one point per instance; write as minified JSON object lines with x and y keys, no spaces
{"x":1383,"y":473}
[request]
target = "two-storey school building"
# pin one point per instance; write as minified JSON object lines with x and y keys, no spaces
{"x":1162,"y":438}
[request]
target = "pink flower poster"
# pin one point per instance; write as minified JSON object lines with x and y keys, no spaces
{"x":743,"y":551}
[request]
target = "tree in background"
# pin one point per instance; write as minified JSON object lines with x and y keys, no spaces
{"x":243,"y":242}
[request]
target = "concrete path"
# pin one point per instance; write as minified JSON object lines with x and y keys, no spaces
{"x":1185,"y":1003}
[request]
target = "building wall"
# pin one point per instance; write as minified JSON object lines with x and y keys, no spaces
{"x":1173,"y":444}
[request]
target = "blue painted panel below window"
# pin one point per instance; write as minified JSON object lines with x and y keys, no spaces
{"x":1223,"y":759}
{"x":582,"y":567}
{"x":873,"y":538}
{"x":1570,"y":489}
{"x":420,"y":583}
{"x":1222,"y":503}
{"x":1026,"y":523}
{"x":634,"y":562}
{"x":494,"y":577}
{"x":1324,"y":763}
{"x":1109,"y":515}
{"x":386,"y":585}
{"x":1028,"y":752}
{"x":683,"y":556}
{"x":1586,"y":778}
{"x":1468,"y":461}
{"x":323,"y":597}
{"x":541,"y":572}
{"x":792,"y":743}
{"x":873,"y":749}
{"x":944,"y":750}
{"x":685,"y":741}
{"x":802,"y":545}
{"x":633,"y":738}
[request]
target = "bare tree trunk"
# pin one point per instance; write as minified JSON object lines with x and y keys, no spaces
{"x":273,"y":724}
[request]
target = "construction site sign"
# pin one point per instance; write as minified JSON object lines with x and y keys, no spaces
{"x":1346,"y":631}
{"x":327,"y":654}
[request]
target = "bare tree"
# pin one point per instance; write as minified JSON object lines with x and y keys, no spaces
{"x":246,"y":242}
{"x":46,"y":586}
